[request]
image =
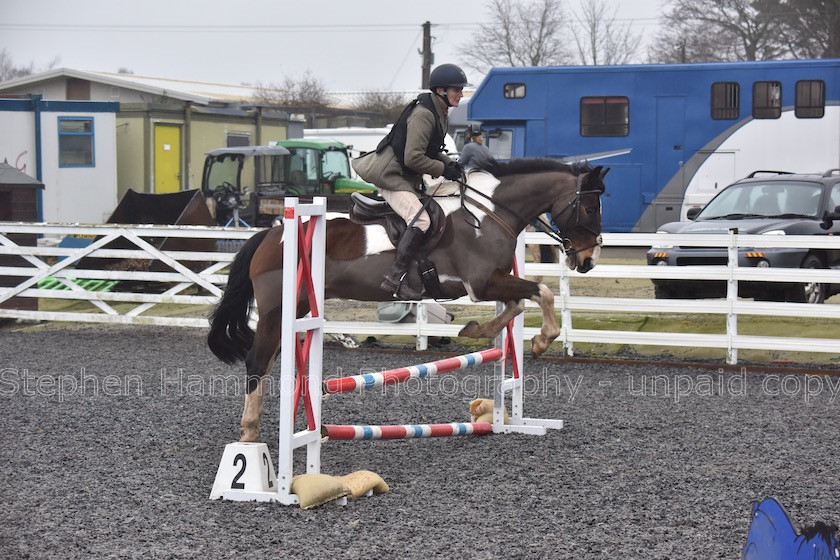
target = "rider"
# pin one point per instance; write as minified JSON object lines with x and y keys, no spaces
{"x":474,"y":153}
{"x":412,"y":148}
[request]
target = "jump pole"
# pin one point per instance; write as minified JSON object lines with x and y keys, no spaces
{"x":373,"y":380}
{"x":406,"y":431}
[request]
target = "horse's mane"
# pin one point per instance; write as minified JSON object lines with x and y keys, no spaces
{"x":533,"y":165}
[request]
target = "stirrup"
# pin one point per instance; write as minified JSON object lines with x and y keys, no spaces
{"x":399,"y":290}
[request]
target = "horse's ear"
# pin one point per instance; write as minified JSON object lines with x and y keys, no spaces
{"x":604,"y":172}
{"x":593,"y":179}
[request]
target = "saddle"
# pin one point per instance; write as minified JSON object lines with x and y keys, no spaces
{"x":365,"y":211}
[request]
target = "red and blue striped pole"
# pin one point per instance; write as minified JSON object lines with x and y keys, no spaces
{"x":373,"y":380}
{"x":406,"y":431}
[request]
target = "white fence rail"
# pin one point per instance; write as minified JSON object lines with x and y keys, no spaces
{"x":195,"y":279}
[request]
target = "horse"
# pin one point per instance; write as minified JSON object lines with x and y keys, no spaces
{"x":473,"y":256}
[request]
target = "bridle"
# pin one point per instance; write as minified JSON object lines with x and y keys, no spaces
{"x":550,"y":228}
{"x":554,"y":232}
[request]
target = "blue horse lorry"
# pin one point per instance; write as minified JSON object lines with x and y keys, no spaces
{"x":673,"y":135}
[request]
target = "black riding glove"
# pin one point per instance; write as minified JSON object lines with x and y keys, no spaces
{"x":452,"y":171}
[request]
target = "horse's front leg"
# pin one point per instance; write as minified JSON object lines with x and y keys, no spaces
{"x":493,"y":327}
{"x":550,"y":329}
{"x":512,"y":290}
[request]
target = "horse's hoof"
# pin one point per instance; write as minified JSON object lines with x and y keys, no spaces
{"x":538,"y":346}
{"x":470,"y":330}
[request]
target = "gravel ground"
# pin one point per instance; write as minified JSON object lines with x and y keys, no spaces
{"x":112,"y":436}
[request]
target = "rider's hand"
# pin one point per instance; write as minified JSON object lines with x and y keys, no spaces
{"x":451,"y":171}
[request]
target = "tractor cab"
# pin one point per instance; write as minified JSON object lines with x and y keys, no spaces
{"x":247,"y":184}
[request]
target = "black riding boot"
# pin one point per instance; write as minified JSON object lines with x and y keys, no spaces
{"x":395,"y":281}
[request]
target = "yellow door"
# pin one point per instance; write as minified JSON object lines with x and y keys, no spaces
{"x":167,"y":158}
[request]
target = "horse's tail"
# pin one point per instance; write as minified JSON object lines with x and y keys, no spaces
{"x":230,"y":337}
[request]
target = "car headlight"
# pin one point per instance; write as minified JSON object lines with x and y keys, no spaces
{"x":660,"y":245}
{"x":774,"y":232}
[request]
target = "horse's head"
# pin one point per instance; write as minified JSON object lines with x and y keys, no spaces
{"x":579,"y":221}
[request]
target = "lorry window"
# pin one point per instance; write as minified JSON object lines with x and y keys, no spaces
{"x":514,"y":91}
{"x":726,"y":102}
{"x":810,"y":99}
{"x":767,"y":100}
{"x":500,"y":143}
{"x":604,"y":116}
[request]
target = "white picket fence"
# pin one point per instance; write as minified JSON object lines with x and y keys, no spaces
{"x":195,"y":280}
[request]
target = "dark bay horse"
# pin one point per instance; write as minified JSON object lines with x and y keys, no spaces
{"x":473,"y":256}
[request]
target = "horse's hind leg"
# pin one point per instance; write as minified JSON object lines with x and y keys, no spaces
{"x":259,"y":362}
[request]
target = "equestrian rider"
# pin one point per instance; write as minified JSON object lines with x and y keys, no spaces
{"x":474,"y":153}
{"x":412,"y":148}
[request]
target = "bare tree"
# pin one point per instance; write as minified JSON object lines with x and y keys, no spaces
{"x":307,"y":93}
{"x":600,"y":39}
{"x":521,"y":33}
{"x":697,"y":42}
{"x":388,"y":104}
{"x":812,"y":28}
{"x":712,"y":30}
{"x":10,"y":71}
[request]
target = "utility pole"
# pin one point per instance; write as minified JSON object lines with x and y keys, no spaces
{"x":427,"y":54}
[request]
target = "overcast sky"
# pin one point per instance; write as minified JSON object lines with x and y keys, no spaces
{"x":349,"y":45}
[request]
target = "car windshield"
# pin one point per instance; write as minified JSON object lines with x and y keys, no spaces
{"x":775,"y":199}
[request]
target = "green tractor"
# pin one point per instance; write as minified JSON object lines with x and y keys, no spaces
{"x":247,"y":184}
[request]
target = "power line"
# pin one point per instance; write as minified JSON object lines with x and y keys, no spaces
{"x":250,"y":28}
{"x":88,"y":27}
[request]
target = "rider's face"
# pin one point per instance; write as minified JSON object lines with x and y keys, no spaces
{"x":454,"y":94}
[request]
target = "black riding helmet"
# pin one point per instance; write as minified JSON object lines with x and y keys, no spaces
{"x":447,"y":75}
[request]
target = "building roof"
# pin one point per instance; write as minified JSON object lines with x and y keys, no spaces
{"x":185,"y":90}
{"x":11,"y":177}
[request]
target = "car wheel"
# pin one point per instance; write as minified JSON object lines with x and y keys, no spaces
{"x":809,"y":292}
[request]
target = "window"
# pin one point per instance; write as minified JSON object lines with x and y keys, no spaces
{"x":810,"y":99}
{"x":237,"y":139}
{"x":514,"y":91}
{"x":500,"y":143}
{"x":75,"y":142}
{"x":726,"y":103}
{"x":604,"y":116}
{"x":834,"y":200}
{"x":767,"y":100}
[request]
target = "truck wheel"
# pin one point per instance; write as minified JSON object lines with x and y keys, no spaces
{"x":809,"y":292}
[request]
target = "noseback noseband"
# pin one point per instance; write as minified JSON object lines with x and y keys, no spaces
{"x":554,"y":232}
